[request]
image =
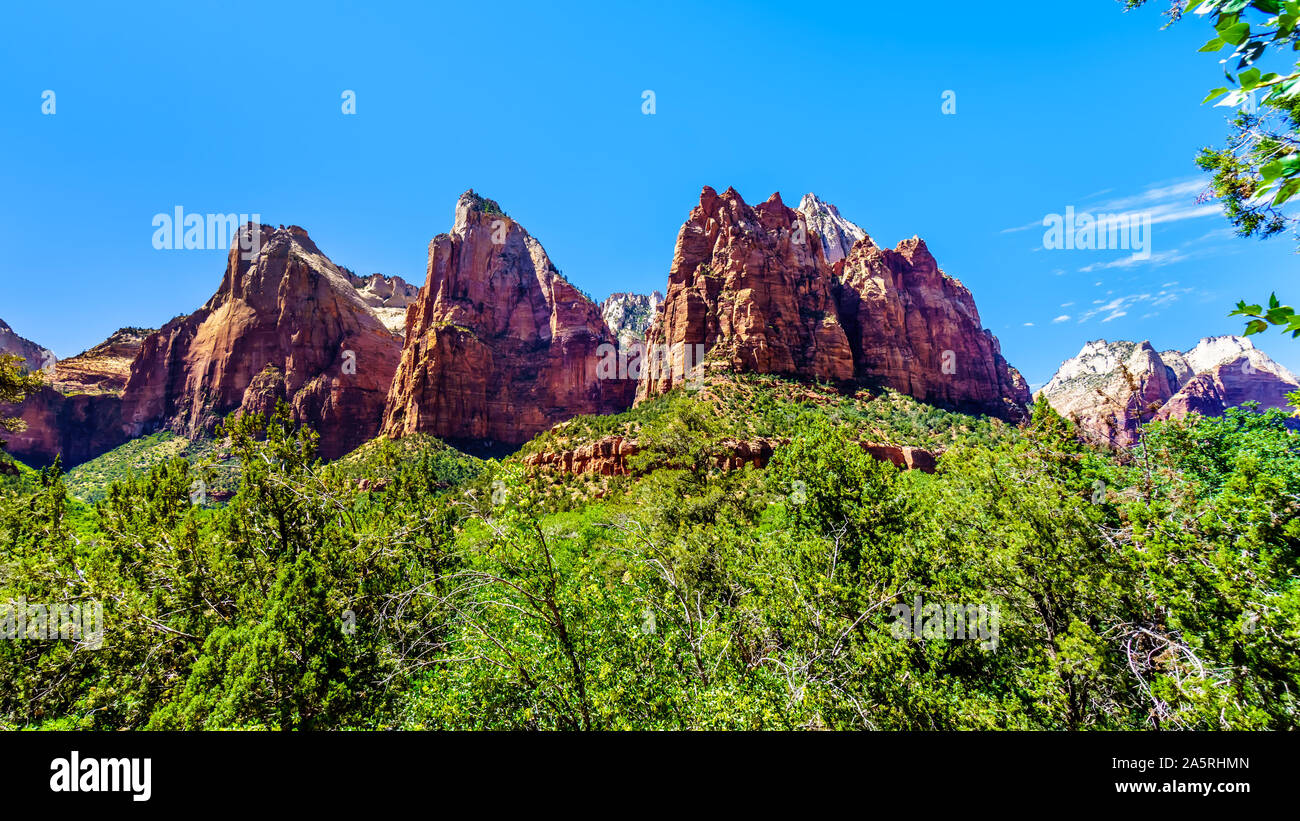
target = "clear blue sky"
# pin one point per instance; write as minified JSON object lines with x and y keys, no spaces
{"x":234,"y":107}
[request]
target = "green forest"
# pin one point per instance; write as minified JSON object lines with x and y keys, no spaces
{"x":410,"y":586}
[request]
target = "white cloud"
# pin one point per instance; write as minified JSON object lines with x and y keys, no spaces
{"x":1061,"y":318}
{"x":1163,"y":202}
{"x":1119,"y":306}
{"x":1162,"y":258}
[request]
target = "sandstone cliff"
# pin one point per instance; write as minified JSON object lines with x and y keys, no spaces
{"x":752,"y":289}
{"x":499,"y":346}
{"x":34,"y":356}
{"x":288,"y":324}
{"x":770,"y":289}
{"x":77,"y":413}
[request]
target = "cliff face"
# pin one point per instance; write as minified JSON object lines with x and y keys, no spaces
{"x":499,"y":346}
{"x":915,"y":329}
{"x":289,"y":324}
{"x":750,"y":285}
{"x":34,"y":356}
{"x":768,"y":289}
{"x":75,"y":427}
{"x":629,"y":315}
{"x":1112,"y":388}
{"x":104,"y":368}
{"x":77,"y":414}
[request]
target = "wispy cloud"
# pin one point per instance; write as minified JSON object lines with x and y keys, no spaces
{"x":1162,"y":258}
{"x":1119,"y":306}
{"x":1164,"y":202}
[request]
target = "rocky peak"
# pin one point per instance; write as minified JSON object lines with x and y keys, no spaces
{"x":388,"y":296}
{"x":837,"y":235}
{"x":629,"y":315}
{"x":499,"y":345}
{"x":34,"y":356}
{"x":289,"y":309}
{"x":747,"y":285}
{"x":1111,"y":388}
{"x":747,"y":289}
{"x":104,"y":368}
{"x":917,"y":330}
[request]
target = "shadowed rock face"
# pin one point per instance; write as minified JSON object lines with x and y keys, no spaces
{"x":1111,"y":388}
{"x":499,"y":346}
{"x":77,"y":414}
{"x":758,"y":289}
{"x":287,"y":323}
{"x":915,"y":329}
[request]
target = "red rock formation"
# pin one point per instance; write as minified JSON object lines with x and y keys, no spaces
{"x":78,"y":414}
{"x":748,"y":285}
{"x":754,"y":286}
{"x":1110,"y":389}
{"x":915,"y":329}
{"x":77,"y":427}
{"x":1228,"y":385}
{"x":104,"y":368}
{"x":609,"y":456}
{"x":499,"y":346}
{"x":289,"y":309}
{"x":34,"y":356}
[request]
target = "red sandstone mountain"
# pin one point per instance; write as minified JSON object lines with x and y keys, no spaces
{"x":915,"y":329}
{"x":288,"y":324}
{"x":748,"y":285}
{"x":1111,"y":388}
{"x":499,"y":346}
{"x":757,"y":288}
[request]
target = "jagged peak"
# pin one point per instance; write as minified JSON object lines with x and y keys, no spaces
{"x":472,"y":207}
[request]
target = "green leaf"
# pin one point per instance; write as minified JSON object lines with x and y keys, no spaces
{"x":1236,"y":34}
{"x":1255,"y":326}
{"x":1287,"y":191}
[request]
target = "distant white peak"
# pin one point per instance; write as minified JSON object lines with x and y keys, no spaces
{"x":1100,"y":357}
{"x":837,"y":234}
{"x":1216,"y":350}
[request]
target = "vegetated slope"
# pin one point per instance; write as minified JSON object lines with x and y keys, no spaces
{"x":407,"y":585}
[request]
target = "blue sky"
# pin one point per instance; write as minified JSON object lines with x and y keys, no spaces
{"x":236,"y":108}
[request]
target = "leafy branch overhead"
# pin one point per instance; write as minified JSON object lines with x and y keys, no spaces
{"x":1273,"y":153}
{"x":1277,"y":314}
{"x":1258,"y":171}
